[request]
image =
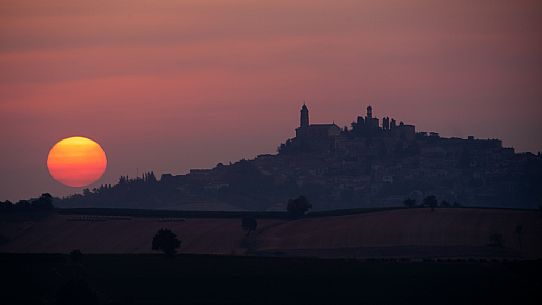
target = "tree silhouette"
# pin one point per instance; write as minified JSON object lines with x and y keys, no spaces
{"x":409,"y":202}
{"x":430,"y":201}
{"x":166,"y":241}
{"x":249,"y":224}
{"x":6,"y":204}
{"x":298,"y":207}
{"x":44,"y":203}
{"x":86,"y":192}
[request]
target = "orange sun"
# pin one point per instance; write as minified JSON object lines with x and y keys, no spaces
{"x":76,"y":161}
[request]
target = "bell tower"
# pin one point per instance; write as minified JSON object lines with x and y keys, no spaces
{"x":369,"y":112}
{"x":304,"y":120}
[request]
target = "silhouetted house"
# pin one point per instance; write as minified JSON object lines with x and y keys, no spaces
{"x":403,"y":131}
{"x":368,"y":125}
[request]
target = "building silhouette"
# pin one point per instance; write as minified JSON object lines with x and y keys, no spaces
{"x":304,"y":120}
{"x":315,"y":136}
{"x":374,"y":163}
{"x":330,"y":137}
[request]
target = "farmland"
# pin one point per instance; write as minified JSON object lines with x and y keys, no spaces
{"x":396,"y":233}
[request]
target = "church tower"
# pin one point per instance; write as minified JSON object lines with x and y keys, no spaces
{"x":304,"y":120}
{"x":369,"y":113}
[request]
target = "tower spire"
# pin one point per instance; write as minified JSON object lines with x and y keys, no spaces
{"x":304,"y":118}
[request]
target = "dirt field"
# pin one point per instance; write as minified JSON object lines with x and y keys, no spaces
{"x":411,"y":233}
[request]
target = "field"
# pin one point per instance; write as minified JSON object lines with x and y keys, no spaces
{"x":387,"y":256}
{"x":208,"y":279}
{"x":392,"y":233}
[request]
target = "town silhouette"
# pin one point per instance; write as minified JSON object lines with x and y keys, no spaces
{"x":371,"y":164}
{"x":360,"y":214}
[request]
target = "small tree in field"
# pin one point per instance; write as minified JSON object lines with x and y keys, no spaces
{"x":166,"y":241}
{"x":249,"y":224}
{"x":298,"y":207}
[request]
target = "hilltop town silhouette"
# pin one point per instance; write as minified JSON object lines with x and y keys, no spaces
{"x":370,"y":164}
{"x":241,"y":229}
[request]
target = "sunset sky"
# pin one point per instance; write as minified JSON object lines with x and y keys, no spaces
{"x":173,"y":85}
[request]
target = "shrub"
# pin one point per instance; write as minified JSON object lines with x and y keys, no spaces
{"x":166,"y":241}
{"x":298,"y":207}
{"x":249,"y":224}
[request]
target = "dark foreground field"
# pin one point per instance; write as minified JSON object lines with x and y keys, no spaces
{"x":207,"y":279}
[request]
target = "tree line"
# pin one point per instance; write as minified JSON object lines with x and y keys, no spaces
{"x":43,"y":203}
{"x":430,"y":201}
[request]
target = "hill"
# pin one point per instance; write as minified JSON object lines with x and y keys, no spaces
{"x":370,"y":165}
{"x":401,"y":233}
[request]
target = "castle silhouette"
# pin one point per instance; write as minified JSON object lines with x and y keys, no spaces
{"x":318,"y":137}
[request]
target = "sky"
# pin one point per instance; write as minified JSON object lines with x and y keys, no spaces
{"x":173,"y":85}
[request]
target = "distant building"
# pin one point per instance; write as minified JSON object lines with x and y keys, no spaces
{"x":324,"y":137}
{"x":304,"y":120}
{"x":319,"y":137}
{"x":370,"y":127}
{"x":404,"y":131}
